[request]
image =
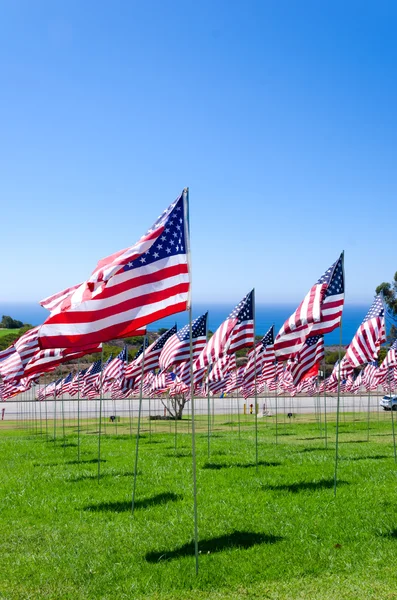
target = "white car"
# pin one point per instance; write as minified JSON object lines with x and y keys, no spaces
{"x":389,"y":402}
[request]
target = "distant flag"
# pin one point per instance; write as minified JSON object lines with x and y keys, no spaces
{"x":369,"y":336}
{"x":390,"y":359}
{"x":177,"y":347}
{"x":76,"y":383}
{"x":115,"y":368}
{"x":263,"y":352}
{"x":90,"y":378}
{"x":307,"y":360}
{"x":151,"y":358}
{"x":320,"y":312}
{"x":129,"y":289}
{"x":236,"y":332}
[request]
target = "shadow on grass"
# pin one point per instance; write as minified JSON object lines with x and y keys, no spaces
{"x":261,"y":463}
{"x":91,"y":461}
{"x":125,"y":506}
{"x":88,"y":476}
{"x":317,"y":449}
{"x":303,"y":486}
{"x":372,"y":457}
{"x":390,"y":534}
{"x":310,"y":438}
{"x":178,"y":454}
{"x":237,"y":539}
{"x":354,"y":442}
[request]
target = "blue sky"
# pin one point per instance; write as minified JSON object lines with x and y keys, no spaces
{"x":279,"y":116}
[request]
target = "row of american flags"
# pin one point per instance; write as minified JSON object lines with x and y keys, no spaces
{"x":151,"y":280}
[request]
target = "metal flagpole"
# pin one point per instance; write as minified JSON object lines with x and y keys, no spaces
{"x":392,"y":416}
{"x":338,"y":399}
{"x":368,"y":417}
{"x":187,"y":242}
{"x":255,"y":390}
{"x":100,"y":419}
{"x":209,"y":419}
{"x":139,"y":426}
{"x":325,"y":410}
{"x":78,"y":412}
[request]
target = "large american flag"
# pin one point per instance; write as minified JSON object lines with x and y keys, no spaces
{"x":150,"y":357}
{"x":307,"y":361}
{"x":320,"y":312}
{"x":177,"y":347}
{"x":129,"y":289}
{"x":369,"y":336}
{"x":236,"y":332}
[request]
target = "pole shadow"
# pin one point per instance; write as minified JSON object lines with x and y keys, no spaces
{"x":238,"y":539}
{"x":88,"y":476}
{"x":372,"y":457}
{"x":317,"y":449}
{"x":125,"y":506}
{"x":390,"y":534}
{"x":261,"y":463}
{"x":70,"y":462}
{"x":304,"y":486}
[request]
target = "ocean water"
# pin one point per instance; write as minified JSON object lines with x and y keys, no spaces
{"x":266,"y":315}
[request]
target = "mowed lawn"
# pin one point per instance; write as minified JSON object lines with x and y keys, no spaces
{"x":272,"y":531}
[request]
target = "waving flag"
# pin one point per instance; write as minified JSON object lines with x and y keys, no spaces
{"x":12,"y":368}
{"x":129,"y":289}
{"x":369,"y":336}
{"x":262,"y":353}
{"x":115,"y":368}
{"x":233,"y":334}
{"x":177,"y":347}
{"x":151,"y":357}
{"x":307,"y":361}
{"x":320,"y":312}
{"x":44,"y":361}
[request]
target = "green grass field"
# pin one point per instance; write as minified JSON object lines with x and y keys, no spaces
{"x":4,"y":332}
{"x":275,"y":531}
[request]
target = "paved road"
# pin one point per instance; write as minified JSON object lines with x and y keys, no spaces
{"x":69,"y":407}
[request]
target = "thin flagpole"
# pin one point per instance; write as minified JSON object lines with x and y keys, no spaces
{"x":100,"y":419}
{"x":325,"y":410}
{"x":368,"y":415}
{"x":392,"y":416}
{"x":187,"y":242}
{"x":139,"y":426}
{"x":78,"y":412}
{"x":338,"y":399}
{"x":255,"y":389}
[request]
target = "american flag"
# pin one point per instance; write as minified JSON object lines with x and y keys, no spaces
{"x":115,"y":368}
{"x":44,"y":361}
{"x":320,"y":312}
{"x":66,"y":383}
{"x":390,"y":359}
{"x":369,"y":336}
{"x":177,"y":347}
{"x":150,"y":357}
{"x":12,"y":368}
{"x":90,"y":378}
{"x":306,"y":362}
{"x":370,"y":379}
{"x":262,"y":353}
{"x":236,"y":332}
{"x":77,"y":382}
{"x":129,"y":289}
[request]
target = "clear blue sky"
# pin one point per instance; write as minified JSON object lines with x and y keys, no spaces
{"x":280,"y":117}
